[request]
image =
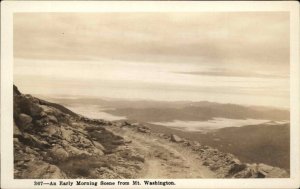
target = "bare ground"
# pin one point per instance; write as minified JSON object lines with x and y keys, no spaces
{"x":164,"y":159}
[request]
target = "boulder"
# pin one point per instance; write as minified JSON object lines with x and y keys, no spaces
{"x":98,"y":145}
{"x":49,"y":110}
{"x":17,"y":132}
{"x":135,"y":124}
{"x":118,"y":142}
{"x":51,"y":130}
{"x":118,"y":124}
{"x":235,"y":161}
{"x":264,"y":167}
{"x":143,"y":130}
{"x":16,"y":141}
{"x":264,"y":170}
{"x":91,"y":128}
{"x":16,"y":90}
{"x":83,"y":142}
{"x":79,"y":125}
{"x":175,"y":138}
{"x":29,"y":107}
{"x":235,"y":168}
{"x":58,"y":153}
{"x":246,"y":173}
{"x":34,"y":141}
{"x":97,"y":152}
{"x":24,"y":121}
{"x":30,"y":151}
{"x":261,"y":174}
{"x":52,"y":119}
{"x":73,"y":151}
{"x":42,"y":170}
{"x":42,"y":122}
{"x":277,"y":173}
{"x":66,"y":134}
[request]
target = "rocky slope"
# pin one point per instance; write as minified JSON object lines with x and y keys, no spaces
{"x":51,"y":141}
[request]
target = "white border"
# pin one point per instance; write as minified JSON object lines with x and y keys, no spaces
{"x":10,"y":7}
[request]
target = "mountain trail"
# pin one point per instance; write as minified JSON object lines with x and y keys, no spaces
{"x":164,"y":159}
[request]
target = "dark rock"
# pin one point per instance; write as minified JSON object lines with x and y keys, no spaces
{"x":237,"y":167}
{"x":24,"y":121}
{"x":30,"y":108}
{"x":16,"y":90}
{"x":246,"y":173}
{"x":32,"y":140}
{"x":261,"y":174}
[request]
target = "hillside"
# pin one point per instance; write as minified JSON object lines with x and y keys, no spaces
{"x":268,"y":144}
{"x":51,"y":141}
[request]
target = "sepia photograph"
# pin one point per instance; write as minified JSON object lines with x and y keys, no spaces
{"x":151,"y":95}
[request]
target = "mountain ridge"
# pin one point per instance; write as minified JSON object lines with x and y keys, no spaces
{"x":51,"y":141}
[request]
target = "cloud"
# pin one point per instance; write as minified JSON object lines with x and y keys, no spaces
{"x":231,"y":73}
{"x":223,"y":38}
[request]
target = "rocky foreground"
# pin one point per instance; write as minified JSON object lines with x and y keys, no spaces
{"x":51,"y":141}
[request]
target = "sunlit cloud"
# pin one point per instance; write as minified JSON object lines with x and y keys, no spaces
{"x":226,"y":57}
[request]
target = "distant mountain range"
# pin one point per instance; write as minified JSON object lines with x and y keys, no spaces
{"x":158,"y":111}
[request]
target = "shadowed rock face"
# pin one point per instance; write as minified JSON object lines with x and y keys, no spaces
{"x":51,"y":141}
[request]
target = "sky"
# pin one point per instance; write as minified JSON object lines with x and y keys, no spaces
{"x":237,"y":57}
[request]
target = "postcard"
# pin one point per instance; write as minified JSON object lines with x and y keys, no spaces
{"x":141,"y":94}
